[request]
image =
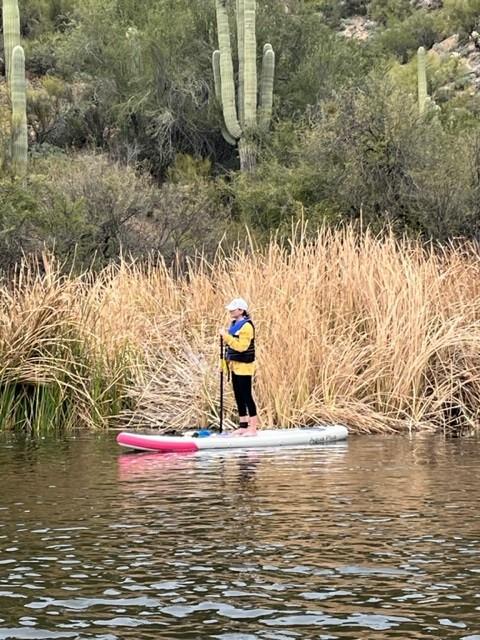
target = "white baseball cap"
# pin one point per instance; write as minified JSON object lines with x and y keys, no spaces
{"x":237,"y":303}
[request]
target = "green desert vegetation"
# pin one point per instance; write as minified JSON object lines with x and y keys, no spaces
{"x":127,"y":159}
{"x":132,"y":85}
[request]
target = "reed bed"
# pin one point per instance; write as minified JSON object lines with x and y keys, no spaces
{"x":377,"y":333}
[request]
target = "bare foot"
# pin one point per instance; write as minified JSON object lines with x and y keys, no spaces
{"x":251,"y":431}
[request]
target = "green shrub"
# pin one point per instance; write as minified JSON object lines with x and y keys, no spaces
{"x":388,"y":11}
{"x":354,"y":7}
{"x":266,"y":200}
{"x":379,"y":158}
{"x":278,"y":196}
{"x":327,"y":64}
{"x":90,"y":210}
{"x":461,"y":16}
{"x":41,"y":16}
{"x":47,"y":102}
{"x":152,"y":91}
{"x":333,"y":11}
{"x":187,"y":169}
{"x":445,"y":202}
{"x":65,"y":115}
{"x":446,"y":76}
{"x":402,"y":39}
{"x":461,"y":114}
{"x":17,"y":207}
{"x":42,"y":53}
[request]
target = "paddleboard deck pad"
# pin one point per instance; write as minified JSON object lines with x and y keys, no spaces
{"x":263,"y":439}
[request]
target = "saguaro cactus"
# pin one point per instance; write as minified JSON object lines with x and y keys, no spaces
{"x":19,"y":112}
{"x":244,"y":112}
{"x":11,"y":32}
{"x":15,"y":74}
{"x":422,"y":80}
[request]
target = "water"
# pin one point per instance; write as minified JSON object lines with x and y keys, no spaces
{"x":379,"y":538}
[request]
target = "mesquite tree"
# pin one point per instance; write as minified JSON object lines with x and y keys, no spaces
{"x":247,"y":111}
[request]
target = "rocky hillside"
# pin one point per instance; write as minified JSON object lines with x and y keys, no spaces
{"x":465,"y":47}
{"x":468,"y":52}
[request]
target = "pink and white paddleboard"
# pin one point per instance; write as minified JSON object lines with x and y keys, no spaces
{"x":264,"y":438}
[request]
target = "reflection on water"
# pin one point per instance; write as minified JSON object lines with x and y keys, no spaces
{"x":378,"y":538}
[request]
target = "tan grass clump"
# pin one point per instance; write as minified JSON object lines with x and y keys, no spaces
{"x":379,"y":334}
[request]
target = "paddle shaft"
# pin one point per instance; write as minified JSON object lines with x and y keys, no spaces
{"x":222,"y":381}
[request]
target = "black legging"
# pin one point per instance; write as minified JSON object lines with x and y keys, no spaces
{"x":242,"y":388}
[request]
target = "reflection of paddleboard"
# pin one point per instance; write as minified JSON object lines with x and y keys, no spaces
{"x":141,"y":465}
{"x":267,"y":438}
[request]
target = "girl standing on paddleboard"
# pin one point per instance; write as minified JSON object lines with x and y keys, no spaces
{"x":240,"y":356}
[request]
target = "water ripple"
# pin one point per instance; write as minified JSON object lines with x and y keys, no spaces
{"x":376,"y":539}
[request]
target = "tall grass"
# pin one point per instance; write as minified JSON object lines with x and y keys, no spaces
{"x":379,"y":334}
{"x":56,"y":369}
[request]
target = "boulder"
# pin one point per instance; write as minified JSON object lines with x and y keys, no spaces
{"x":427,"y":4}
{"x":357,"y":27}
{"x":449,"y":45}
{"x":473,"y":67}
{"x":468,"y":52}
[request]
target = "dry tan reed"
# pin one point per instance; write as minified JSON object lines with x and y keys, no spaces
{"x":378,"y":334}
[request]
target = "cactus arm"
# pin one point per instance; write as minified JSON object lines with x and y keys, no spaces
{"x":11,"y":32}
{"x":218,"y":92}
{"x":228,"y":138}
{"x":422,"y":79}
{"x":217,"y":77}
{"x":226,"y":72}
{"x":241,"y":59}
{"x":266,"y":87}
{"x":250,"y":65}
{"x":19,"y":112}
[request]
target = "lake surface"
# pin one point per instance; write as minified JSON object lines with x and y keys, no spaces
{"x":378,"y":538}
